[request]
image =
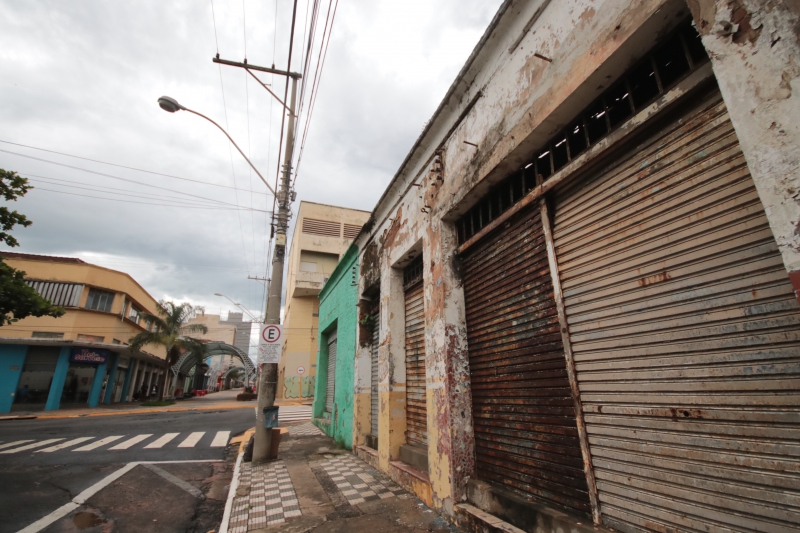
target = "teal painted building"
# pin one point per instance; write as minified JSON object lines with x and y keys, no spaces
{"x":338,"y":323}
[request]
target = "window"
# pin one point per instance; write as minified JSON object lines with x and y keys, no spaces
{"x":306,"y":266}
{"x":100,"y":300}
{"x":134,"y":315}
{"x":47,"y":335}
{"x":351,"y":231}
{"x":656,"y":73}
{"x":63,"y":294}
{"x":326,"y":228}
{"x":116,"y":341}
{"x":412,"y":273}
{"x":90,"y":338}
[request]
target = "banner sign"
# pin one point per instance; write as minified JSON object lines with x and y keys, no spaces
{"x":89,"y":355}
{"x":270,"y":344}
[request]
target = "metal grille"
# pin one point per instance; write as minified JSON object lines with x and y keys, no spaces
{"x":416,"y":400}
{"x":686,"y":335}
{"x":329,"y":392}
{"x":375,"y":377}
{"x":351,"y":231}
{"x":412,"y":273}
{"x":63,"y":294}
{"x":680,"y":54}
{"x":526,"y":436}
{"x":325,"y":228}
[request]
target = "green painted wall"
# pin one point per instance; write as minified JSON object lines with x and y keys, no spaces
{"x":338,"y":313}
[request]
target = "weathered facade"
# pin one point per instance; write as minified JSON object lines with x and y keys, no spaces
{"x":593,"y":249}
{"x":338,"y":321}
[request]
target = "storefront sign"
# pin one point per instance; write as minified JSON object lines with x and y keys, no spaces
{"x":89,"y":355}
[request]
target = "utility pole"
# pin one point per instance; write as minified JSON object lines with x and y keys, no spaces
{"x":268,"y":378}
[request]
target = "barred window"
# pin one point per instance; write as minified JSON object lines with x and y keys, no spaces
{"x":413,"y":272}
{"x":47,"y":335}
{"x":90,"y":338}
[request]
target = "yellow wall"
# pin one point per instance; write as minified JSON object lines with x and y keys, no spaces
{"x":111,"y":326}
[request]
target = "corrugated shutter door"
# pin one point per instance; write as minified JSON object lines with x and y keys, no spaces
{"x":526,"y":436}
{"x":685,"y":333}
{"x":374,"y":402}
{"x":329,"y":392}
{"x":416,"y":401}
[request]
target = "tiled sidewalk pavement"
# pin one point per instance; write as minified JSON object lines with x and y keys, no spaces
{"x":305,"y":430}
{"x":357,"y":481}
{"x":267,"y":497}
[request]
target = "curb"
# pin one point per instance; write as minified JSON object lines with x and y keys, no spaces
{"x":226,"y":515}
{"x":130,"y":412}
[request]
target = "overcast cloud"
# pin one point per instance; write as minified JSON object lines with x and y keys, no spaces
{"x":82,"y":78}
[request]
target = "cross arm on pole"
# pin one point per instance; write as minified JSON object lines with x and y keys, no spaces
{"x":264,"y":85}
{"x":247,"y":65}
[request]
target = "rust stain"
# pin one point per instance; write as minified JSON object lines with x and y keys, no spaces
{"x":741,"y":17}
{"x":657,"y":278}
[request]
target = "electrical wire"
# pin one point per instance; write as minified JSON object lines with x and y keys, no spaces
{"x":135,"y":202}
{"x":116,"y":177}
{"x":315,"y":86}
{"x":230,"y":150}
{"x":127,"y":167}
{"x":249,"y":150}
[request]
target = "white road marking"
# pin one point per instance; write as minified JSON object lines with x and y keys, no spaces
{"x":192,"y":439}
{"x":97,"y":444}
{"x":220,"y":439}
{"x":124,"y":445}
{"x":15,"y":443}
{"x":158,"y":443}
{"x":81,"y":498}
{"x":63,"y":445}
{"x":194,"y":491}
{"x":32,"y":446}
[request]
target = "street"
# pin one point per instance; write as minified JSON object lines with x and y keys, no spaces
{"x":45,"y":463}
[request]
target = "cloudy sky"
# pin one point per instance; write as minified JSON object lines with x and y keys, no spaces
{"x":81,"y":78}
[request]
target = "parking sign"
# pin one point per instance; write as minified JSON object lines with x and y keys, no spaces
{"x":270,"y":343}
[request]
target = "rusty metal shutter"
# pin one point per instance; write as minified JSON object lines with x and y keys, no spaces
{"x":526,"y":436}
{"x":375,"y":378}
{"x":685,"y":334}
{"x":416,"y":407}
{"x":329,"y":393}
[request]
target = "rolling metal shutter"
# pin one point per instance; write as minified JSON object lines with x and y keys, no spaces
{"x":526,"y":435}
{"x":416,"y":400}
{"x":329,"y":392}
{"x":375,"y":379}
{"x":685,"y":335}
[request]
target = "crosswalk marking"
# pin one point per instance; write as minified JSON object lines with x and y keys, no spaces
{"x":97,"y":444}
{"x":158,"y":443}
{"x":63,"y":445}
{"x":15,"y":443}
{"x":32,"y":446}
{"x":192,"y":439}
{"x":220,"y":439}
{"x":124,"y":445}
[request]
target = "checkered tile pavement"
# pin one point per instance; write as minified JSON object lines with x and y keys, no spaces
{"x":305,"y":430}
{"x":271,"y":499}
{"x":357,"y":481}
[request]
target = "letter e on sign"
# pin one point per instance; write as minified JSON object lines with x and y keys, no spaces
{"x":270,"y":344}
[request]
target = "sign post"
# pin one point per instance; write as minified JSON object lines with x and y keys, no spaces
{"x":270,"y":344}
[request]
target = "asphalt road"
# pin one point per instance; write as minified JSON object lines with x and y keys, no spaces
{"x":35,"y":482}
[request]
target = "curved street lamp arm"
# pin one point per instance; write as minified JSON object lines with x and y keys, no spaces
{"x":236,"y":145}
{"x":239,"y":306}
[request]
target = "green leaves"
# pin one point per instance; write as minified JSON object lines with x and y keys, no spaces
{"x":12,"y":186}
{"x":18,"y":300}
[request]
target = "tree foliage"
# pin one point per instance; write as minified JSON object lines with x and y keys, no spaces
{"x":17,"y":299}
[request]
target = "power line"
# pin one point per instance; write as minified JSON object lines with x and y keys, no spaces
{"x":115,"y":177}
{"x":126,"y":167}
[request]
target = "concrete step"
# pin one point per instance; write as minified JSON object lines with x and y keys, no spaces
{"x":491,"y":523}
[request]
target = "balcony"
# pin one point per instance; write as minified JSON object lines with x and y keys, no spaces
{"x":308,"y":283}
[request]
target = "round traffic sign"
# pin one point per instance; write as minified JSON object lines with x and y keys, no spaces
{"x":271,"y":334}
{"x":301,"y":370}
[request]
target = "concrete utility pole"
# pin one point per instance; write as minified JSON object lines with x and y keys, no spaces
{"x":268,"y":378}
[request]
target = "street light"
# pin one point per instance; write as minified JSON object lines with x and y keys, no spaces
{"x":170,"y":105}
{"x":240,"y":306}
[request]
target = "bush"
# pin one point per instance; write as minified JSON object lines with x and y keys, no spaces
{"x":246,"y":396}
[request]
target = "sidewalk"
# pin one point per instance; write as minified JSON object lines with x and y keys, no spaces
{"x":211,"y":402}
{"x":316,"y":487}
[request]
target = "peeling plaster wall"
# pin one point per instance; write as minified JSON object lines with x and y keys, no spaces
{"x":755,"y":52}
{"x":508,"y":102}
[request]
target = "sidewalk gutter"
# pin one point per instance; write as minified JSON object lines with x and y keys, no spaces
{"x":226,"y":515}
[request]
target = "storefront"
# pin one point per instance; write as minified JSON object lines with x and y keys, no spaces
{"x":47,"y":376}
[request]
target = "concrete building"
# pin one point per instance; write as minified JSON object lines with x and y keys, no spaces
{"x":322,"y":234}
{"x":80,"y":358}
{"x":585,"y":274}
{"x":338,"y":321}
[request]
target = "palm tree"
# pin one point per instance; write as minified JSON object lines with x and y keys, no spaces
{"x":169,"y":329}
